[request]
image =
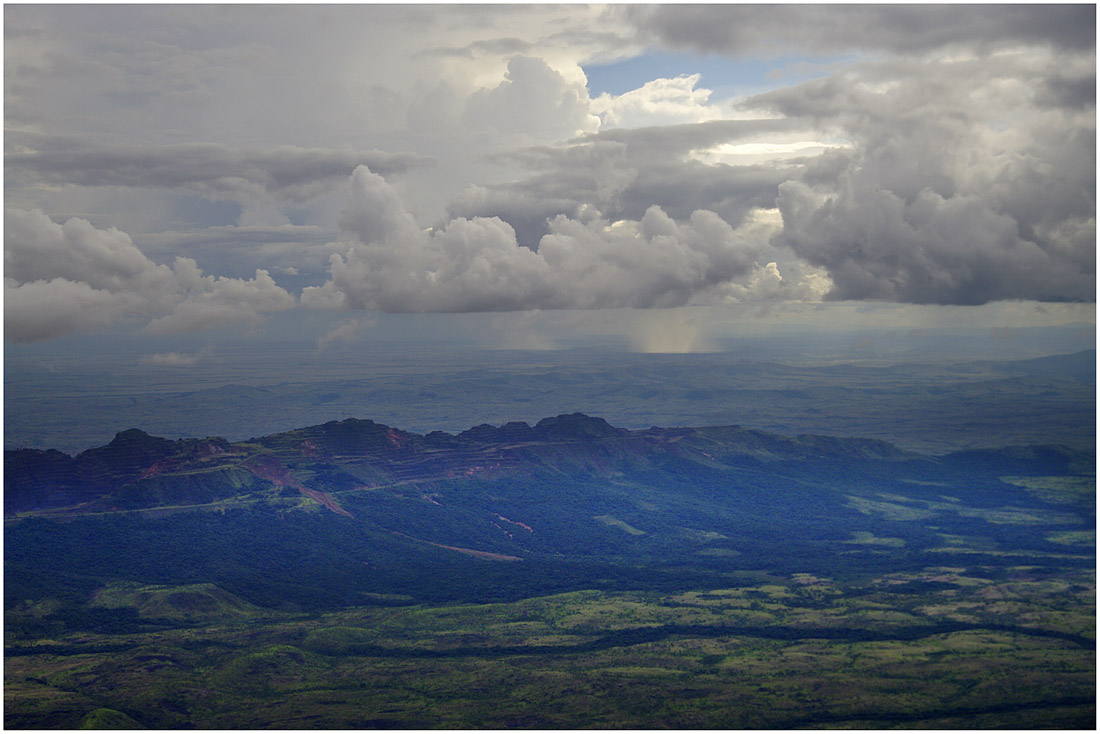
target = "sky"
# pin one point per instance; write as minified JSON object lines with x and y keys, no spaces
{"x":519,"y":175}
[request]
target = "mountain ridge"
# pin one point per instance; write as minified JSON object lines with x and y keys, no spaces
{"x":137,"y":470}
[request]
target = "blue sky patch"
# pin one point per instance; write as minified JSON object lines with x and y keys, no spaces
{"x":724,"y":76}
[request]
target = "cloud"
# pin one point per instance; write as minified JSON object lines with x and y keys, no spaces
{"x":326,"y":297}
{"x":477,"y":49}
{"x":677,"y":141}
{"x":901,"y":29}
{"x":210,"y":301}
{"x":259,"y":180}
{"x":49,"y":309}
{"x":657,"y":102}
{"x":478,"y":265}
{"x":296,"y":172}
{"x":961,"y":184}
{"x":524,"y":209}
{"x":533,"y":99}
{"x":37,"y":249}
{"x":655,"y":262}
{"x":618,"y":174}
{"x":234,"y":250}
{"x":62,"y":278}
{"x":961,"y":180}
{"x":948,"y":157}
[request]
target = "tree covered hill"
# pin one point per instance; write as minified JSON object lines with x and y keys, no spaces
{"x":346,"y":511}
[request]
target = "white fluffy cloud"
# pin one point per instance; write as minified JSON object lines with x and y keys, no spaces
{"x":477,"y":264}
{"x":62,"y":278}
{"x":658,"y":102}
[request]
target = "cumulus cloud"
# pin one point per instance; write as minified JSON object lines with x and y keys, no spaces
{"x":209,"y":301}
{"x":657,"y":102}
{"x":48,"y":309}
{"x":534,"y":99}
{"x":940,"y":200}
{"x":478,"y":265}
{"x":61,"y":278}
{"x":768,"y":285}
{"x":618,"y":174}
{"x":579,"y":181}
{"x":37,"y":249}
{"x":947,"y":157}
{"x":526,"y":211}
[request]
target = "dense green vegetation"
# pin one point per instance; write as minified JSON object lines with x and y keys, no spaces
{"x":944,"y":648}
{"x":568,"y":574}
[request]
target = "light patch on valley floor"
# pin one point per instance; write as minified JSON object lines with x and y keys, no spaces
{"x":864,"y":537}
{"x":1074,"y":537}
{"x":889,"y":510}
{"x":1057,"y":488}
{"x":702,"y":534}
{"x":998,"y":516}
{"x":617,"y":523}
{"x":718,"y":552}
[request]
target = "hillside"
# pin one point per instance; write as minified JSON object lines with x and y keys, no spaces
{"x":373,"y":508}
{"x":294,"y":567}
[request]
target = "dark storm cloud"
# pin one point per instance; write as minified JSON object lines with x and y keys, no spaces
{"x":827,"y":28}
{"x":295,"y":173}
